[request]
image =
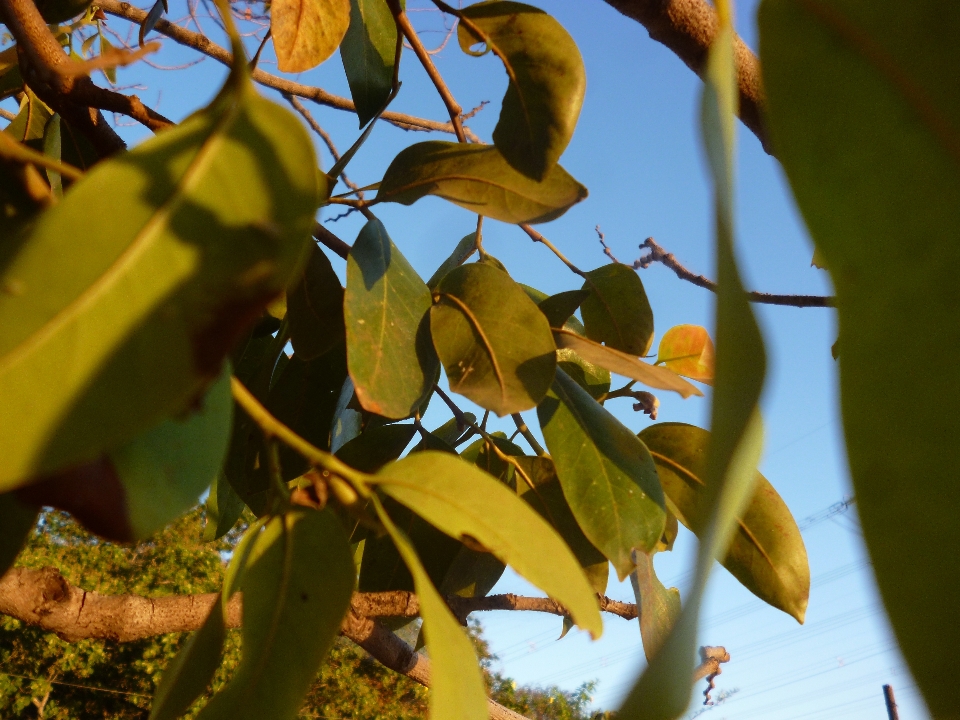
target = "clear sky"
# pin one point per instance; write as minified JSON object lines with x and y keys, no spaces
{"x":637,"y":149}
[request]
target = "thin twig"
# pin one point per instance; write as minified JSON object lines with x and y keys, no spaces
{"x":537,"y":237}
{"x":658,"y":254}
{"x":606,"y":250}
{"x":527,"y":435}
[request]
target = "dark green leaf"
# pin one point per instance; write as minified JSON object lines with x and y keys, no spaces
{"x":307,"y":32}
{"x":223,"y":508}
{"x":607,"y":475}
{"x":391,"y":359}
{"x":315,"y":308}
{"x":367,"y":52}
{"x":464,"y":249}
{"x":52,"y":148}
{"x":617,"y":312}
{"x":28,"y":126}
{"x":58,"y":11}
{"x":133,"y":321}
{"x":16,"y":521}
{"x":494,"y":343}
{"x":658,"y":606}
{"x":296,"y":591}
{"x":472,"y":573}
{"x":464,"y":502}
{"x":477,"y":178}
{"x":377,"y":446}
{"x":452,"y":430}
{"x":106,"y":47}
{"x":547,"y":80}
{"x":558,"y":308}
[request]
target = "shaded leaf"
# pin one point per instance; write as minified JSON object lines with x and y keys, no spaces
{"x":658,"y":606}
{"x":31,"y":120}
{"x":16,"y":521}
{"x":476,"y":177}
{"x":58,"y":11}
{"x":377,"y":446}
{"x":472,"y":573}
{"x":464,"y":249}
{"x":607,"y":475}
{"x":133,"y":321}
{"x":223,"y":508}
{"x":464,"y":502}
{"x":106,"y":48}
{"x":307,"y":32}
{"x":558,"y":308}
{"x":291,"y":614}
{"x":367,"y":51}
{"x":494,"y":343}
{"x":617,"y":312}
{"x":480,"y":454}
{"x":688,"y":351}
{"x":392,"y":362}
{"x":52,"y":148}
{"x":866,"y":128}
{"x":315,"y":308}
{"x":547,"y":80}
{"x":624,"y":364}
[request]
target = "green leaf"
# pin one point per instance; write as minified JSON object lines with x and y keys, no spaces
{"x":464,"y":249}
{"x":472,"y":574}
{"x":377,"y":446}
{"x":456,"y":685}
{"x":296,"y":591}
{"x":867,"y":131}
{"x":165,"y":470}
{"x":368,"y":51}
{"x":307,"y":32}
{"x":617,"y":312}
{"x":624,"y":364}
{"x":106,"y":47}
{"x":688,"y":351}
{"x":558,"y":308}
{"x":546,"y":497}
{"x":464,"y":502}
{"x":223,"y":508}
{"x":58,"y":11}
{"x":476,"y":177}
{"x":31,"y":120}
{"x":547,"y":80}
{"x":392,"y":363}
{"x":452,"y":430}
{"x":494,"y":343}
{"x":592,"y":378}
{"x":52,"y":148}
{"x":315,"y":308}
{"x":663,"y":691}
{"x":133,"y":321}
{"x":766,"y":553}
{"x":607,"y":475}
{"x":17,"y":519}
{"x":658,"y":606}
{"x":480,"y":454}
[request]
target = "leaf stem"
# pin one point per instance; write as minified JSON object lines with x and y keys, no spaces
{"x":537,"y":237}
{"x":527,"y":435}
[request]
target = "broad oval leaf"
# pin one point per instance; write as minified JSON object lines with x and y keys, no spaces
{"x":688,"y":351}
{"x":658,"y":607}
{"x":607,"y":475}
{"x":367,"y":52}
{"x":867,"y":131}
{"x":315,"y":308}
{"x":462,"y":501}
{"x":547,"y":80}
{"x":494,"y":343}
{"x":617,"y":312}
{"x":624,"y":364}
{"x":391,"y":360}
{"x":307,"y":32}
{"x":476,"y":177}
{"x":767,"y":554}
{"x":197,"y":229}
{"x":296,"y":590}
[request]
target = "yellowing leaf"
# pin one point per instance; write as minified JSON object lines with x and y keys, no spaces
{"x":307,"y":32}
{"x":688,"y":351}
{"x":658,"y":606}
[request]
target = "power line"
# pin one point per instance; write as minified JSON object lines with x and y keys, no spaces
{"x":76,"y":685}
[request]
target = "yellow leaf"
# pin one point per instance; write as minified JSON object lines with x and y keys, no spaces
{"x":688,"y":351}
{"x":307,"y":32}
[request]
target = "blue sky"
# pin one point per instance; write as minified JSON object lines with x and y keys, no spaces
{"x":637,"y":149}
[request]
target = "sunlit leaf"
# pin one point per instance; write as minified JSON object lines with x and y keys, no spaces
{"x":367,"y":52}
{"x":658,"y":607}
{"x":392,"y":362}
{"x":465,"y":502}
{"x":617,"y":312}
{"x":607,"y":475}
{"x":688,"y":351}
{"x":477,"y":178}
{"x":592,"y":378}
{"x":307,"y":32}
{"x":494,"y":343}
{"x":547,"y":80}
{"x":28,"y":126}
{"x":867,"y":129}
{"x":315,"y":308}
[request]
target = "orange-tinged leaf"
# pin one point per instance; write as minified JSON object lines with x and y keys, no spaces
{"x":688,"y":351}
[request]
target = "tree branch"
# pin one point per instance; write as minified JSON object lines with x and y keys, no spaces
{"x":688,"y":27}
{"x":331,"y":241}
{"x":205,"y":45}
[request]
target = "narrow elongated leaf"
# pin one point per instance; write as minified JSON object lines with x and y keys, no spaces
{"x":464,"y":502}
{"x":546,"y":497}
{"x":494,"y":343}
{"x":52,"y":148}
{"x":315,"y":308}
{"x":222,"y":509}
{"x":659,"y":607}
{"x":392,"y":362}
{"x":867,"y":132}
{"x":31,"y":120}
{"x":547,"y":80}
{"x":607,"y":475}
{"x":296,"y":591}
{"x":617,"y":312}
{"x":464,"y":249}
{"x":688,"y":351}
{"x":766,"y":553}
{"x":456,"y":685}
{"x":368,"y":51}
{"x":477,"y":178}
{"x":624,"y":364}
{"x":663,"y":691}
{"x":16,"y":521}
{"x":197,"y":229}
{"x":307,"y":32}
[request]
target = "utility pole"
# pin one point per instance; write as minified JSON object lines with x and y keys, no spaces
{"x":892,"y":713}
